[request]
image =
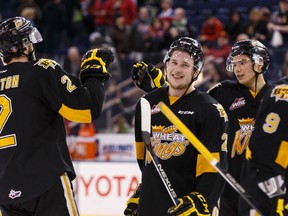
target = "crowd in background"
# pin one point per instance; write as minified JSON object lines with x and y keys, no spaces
{"x":143,"y":30}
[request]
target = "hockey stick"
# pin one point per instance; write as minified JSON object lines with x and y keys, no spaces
{"x":208,"y":155}
{"x":146,"y":131}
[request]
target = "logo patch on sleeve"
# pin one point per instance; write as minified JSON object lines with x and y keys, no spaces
{"x":221,"y":111}
{"x":46,"y":63}
{"x":280,"y":92}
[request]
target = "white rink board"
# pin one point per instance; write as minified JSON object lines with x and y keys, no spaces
{"x":102,"y":188}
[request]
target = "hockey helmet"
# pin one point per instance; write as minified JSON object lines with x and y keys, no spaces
{"x":191,"y":46}
{"x":254,"y":49}
{"x":15,"y":34}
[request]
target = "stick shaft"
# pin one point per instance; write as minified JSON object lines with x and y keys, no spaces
{"x":146,"y":133}
{"x":208,"y":155}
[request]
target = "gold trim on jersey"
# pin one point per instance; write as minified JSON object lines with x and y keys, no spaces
{"x":83,"y":116}
{"x":139,"y":150}
{"x":173,"y":99}
{"x":68,"y":193}
{"x":282,"y":158}
{"x":203,"y":165}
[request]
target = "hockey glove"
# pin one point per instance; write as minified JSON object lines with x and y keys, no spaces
{"x":280,"y":206}
{"x":132,"y":203}
{"x":193,"y":204}
{"x":94,"y":63}
{"x":147,"y":77}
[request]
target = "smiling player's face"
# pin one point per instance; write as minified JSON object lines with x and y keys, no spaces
{"x":180,"y":70}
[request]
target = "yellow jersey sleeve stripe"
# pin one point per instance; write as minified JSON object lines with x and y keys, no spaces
{"x":203,"y":166}
{"x":282,"y":158}
{"x":83,"y":116}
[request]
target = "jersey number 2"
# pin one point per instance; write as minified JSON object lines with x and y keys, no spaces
{"x":5,"y":112}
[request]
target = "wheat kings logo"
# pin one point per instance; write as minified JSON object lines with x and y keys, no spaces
{"x":242,"y":136}
{"x":167,"y":142}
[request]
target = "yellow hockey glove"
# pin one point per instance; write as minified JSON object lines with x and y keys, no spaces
{"x":280,"y":206}
{"x":132,"y":203}
{"x":147,"y":77}
{"x":193,"y":204}
{"x":94,"y":63}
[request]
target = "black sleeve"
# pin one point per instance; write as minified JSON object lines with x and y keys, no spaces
{"x":66,"y":95}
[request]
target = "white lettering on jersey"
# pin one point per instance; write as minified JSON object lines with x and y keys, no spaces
{"x":185,"y":112}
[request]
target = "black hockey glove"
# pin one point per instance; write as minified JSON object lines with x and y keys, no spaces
{"x":132,"y":202}
{"x":147,"y":77}
{"x":94,"y":63}
{"x":193,"y":204}
{"x":279,"y":206}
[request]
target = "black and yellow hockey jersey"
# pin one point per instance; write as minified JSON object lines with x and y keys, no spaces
{"x":269,"y":142}
{"x":241,"y":107}
{"x":34,"y":96}
{"x":187,"y":170}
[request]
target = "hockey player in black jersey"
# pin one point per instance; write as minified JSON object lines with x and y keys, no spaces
{"x":268,"y":148}
{"x":194,"y":180}
{"x":248,"y":60}
{"x":35,"y":94}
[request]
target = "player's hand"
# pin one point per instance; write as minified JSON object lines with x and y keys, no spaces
{"x":147,"y":77}
{"x":280,"y":206}
{"x":94,"y":63}
{"x":193,"y":204}
{"x":132,"y":202}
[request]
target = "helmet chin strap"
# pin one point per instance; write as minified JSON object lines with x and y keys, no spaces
{"x":31,"y":54}
{"x":256,"y":77}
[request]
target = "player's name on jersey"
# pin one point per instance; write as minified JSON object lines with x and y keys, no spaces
{"x":9,"y":82}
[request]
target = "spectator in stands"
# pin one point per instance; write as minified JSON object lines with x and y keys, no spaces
{"x":257,"y":24}
{"x":210,"y":30}
{"x":140,"y":29}
{"x":178,"y":27}
{"x":182,"y":24}
{"x":72,"y":61}
{"x":279,"y":22}
{"x":166,"y":10}
{"x":220,"y":52}
{"x":99,"y":15}
{"x":156,"y":35}
{"x":31,"y":11}
{"x":120,"y":34}
{"x":127,"y":8}
{"x":235,"y":25}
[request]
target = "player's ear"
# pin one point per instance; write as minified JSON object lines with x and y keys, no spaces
{"x":258,"y":68}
